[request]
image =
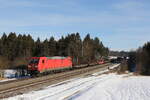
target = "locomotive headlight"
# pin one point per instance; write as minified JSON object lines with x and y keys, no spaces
{"x":36,"y":66}
{"x":29,"y":66}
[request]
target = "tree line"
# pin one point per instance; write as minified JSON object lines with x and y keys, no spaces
{"x":16,"y":49}
{"x":143,"y":59}
{"x":139,"y":60}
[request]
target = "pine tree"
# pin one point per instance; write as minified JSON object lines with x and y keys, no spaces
{"x":52,"y":45}
{"x":37,"y":50}
{"x":19,"y":49}
{"x":4,"y":48}
{"x":62,"y":46}
{"x":11,"y":45}
{"x":44,"y":48}
{"x":87,"y":48}
{"x":74,"y":48}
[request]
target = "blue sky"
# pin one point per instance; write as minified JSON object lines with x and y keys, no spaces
{"x":120,"y":24}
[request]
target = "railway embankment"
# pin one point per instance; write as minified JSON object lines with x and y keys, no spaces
{"x":26,"y":85}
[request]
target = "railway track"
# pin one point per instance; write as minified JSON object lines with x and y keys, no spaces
{"x":30,"y":78}
{"x":22,"y":86}
{"x":27,"y":78}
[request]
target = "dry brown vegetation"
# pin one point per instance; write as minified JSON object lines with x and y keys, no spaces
{"x":123,"y":67}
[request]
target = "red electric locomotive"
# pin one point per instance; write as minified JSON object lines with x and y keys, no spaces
{"x":45,"y":64}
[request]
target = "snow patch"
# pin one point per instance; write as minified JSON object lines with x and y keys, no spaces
{"x":5,"y":80}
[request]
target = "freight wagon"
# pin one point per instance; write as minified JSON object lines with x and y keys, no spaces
{"x":46,"y":64}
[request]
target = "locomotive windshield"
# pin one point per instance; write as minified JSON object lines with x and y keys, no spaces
{"x":34,"y":61}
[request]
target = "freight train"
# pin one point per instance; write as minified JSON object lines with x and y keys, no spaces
{"x":50,"y":64}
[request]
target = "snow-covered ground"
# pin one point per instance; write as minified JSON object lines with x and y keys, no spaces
{"x":4,"y":80}
{"x":94,"y":87}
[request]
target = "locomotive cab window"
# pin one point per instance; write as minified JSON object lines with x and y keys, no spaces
{"x":34,"y":61}
{"x":43,"y":61}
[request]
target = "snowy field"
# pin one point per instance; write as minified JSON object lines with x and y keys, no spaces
{"x":94,"y":87}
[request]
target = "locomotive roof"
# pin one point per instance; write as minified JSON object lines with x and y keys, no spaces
{"x":56,"y":57}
